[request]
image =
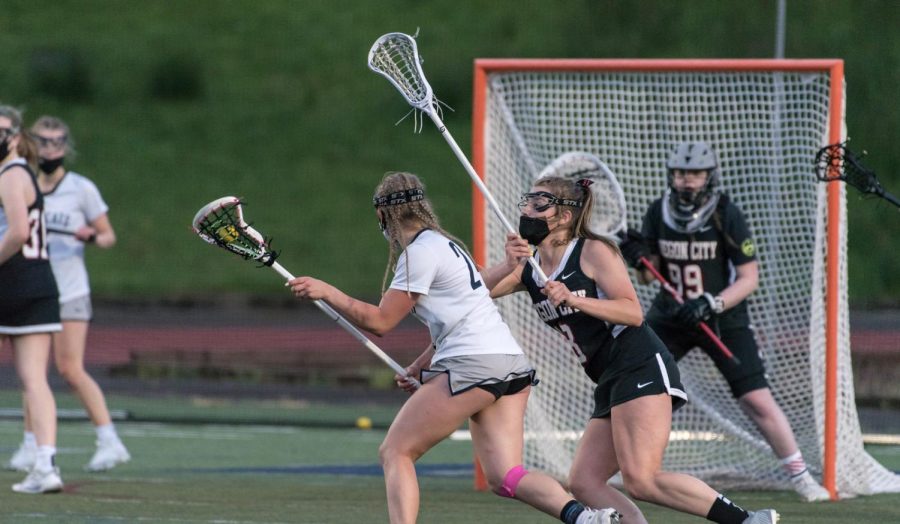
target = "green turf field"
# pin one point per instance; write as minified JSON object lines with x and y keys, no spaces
{"x":264,"y":473}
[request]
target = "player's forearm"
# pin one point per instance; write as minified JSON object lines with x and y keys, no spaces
{"x":494,"y":274}
{"x":622,"y":311}
{"x":361,"y":314}
{"x":105,"y":240}
{"x":737,"y":292}
{"x":11,"y":243}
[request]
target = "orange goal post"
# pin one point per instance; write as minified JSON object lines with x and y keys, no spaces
{"x":766,"y":119}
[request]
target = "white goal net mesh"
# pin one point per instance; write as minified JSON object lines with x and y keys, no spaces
{"x":766,"y":127}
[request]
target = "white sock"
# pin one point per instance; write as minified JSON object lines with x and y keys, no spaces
{"x":107,"y":433}
{"x":44,"y":460}
{"x":29,"y":440}
{"x":794,"y":464}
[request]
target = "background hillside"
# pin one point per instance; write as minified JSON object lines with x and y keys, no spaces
{"x":175,"y":103}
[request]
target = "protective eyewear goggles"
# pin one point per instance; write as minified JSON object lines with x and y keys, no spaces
{"x":542,"y":200}
{"x":6,"y":132}
{"x":52,"y":142}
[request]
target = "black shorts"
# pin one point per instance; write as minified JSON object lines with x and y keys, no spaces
{"x":749,"y":376}
{"x":29,"y":315}
{"x":510,"y":387}
{"x":655,"y":374}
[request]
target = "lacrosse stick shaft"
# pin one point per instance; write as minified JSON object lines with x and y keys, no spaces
{"x":703,"y":326}
{"x":350,"y":328}
{"x":891,"y":198}
{"x":61,"y":231}
{"x":481,"y":187}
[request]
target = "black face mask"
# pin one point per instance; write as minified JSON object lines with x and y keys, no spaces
{"x":49,"y":166}
{"x":4,"y":149}
{"x":534,"y":230}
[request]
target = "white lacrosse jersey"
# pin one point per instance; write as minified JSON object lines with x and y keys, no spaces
{"x":73,"y":203}
{"x":454,"y":302}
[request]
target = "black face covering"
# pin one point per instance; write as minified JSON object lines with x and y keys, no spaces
{"x":534,"y":230}
{"x":4,"y":149}
{"x":49,"y":166}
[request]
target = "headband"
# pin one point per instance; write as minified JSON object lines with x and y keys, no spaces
{"x":399,"y":197}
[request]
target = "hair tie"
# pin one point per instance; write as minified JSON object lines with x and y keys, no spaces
{"x":584,"y":183}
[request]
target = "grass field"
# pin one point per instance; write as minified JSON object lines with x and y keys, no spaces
{"x":263,"y":473}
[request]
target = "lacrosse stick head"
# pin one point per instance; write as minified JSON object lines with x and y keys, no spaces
{"x":221,"y":223}
{"x":838,"y":162}
{"x":396,"y":57}
{"x":608,"y":215}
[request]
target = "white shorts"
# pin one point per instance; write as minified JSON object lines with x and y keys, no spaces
{"x":76,"y":309}
{"x":468,"y":371}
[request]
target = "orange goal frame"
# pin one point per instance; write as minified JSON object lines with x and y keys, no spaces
{"x":835,"y":68}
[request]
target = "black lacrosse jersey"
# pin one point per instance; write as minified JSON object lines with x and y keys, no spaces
{"x":27,"y":274}
{"x":703,"y":261}
{"x":589,"y":337}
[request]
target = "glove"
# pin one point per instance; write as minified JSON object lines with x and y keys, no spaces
{"x":633,"y":247}
{"x":696,"y":310}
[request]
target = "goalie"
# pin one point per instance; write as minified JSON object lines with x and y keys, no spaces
{"x":699,"y":238}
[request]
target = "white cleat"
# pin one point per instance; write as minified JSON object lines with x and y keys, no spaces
{"x":810,"y":490}
{"x":763,"y":516}
{"x":108,"y":456}
{"x":38,"y":481}
{"x":599,"y":516}
{"x":23,"y":459}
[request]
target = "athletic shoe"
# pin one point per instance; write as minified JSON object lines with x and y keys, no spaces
{"x":38,"y":481}
{"x":598,"y":516}
{"x":23,"y":459}
{"x":807,"y":487}
{"x":763,"y":516}
{"x":108,"y":456}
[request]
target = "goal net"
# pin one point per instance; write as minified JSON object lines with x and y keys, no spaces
{"x":766,"y":119}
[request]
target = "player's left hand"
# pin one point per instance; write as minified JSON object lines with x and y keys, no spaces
{"x":696,"y":310}
{"x":558,"y":293}
{"x":86,"y":234}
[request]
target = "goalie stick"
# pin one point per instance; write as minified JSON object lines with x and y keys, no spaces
{"x":221,"y":223}
{"x":610,"y":215}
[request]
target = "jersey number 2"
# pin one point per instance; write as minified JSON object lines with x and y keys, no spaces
{"x":473,"y":280}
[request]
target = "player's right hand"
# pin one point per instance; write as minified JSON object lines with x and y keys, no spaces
{"x":407,"y":382}
{"x":517,"y":249}
{"x":633,"y":248}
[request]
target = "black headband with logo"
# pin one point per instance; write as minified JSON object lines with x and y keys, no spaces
{"x":399,"y":197}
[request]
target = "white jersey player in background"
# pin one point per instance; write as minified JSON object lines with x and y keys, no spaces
{"x":76,"y":215}
{"x":474,"y":369}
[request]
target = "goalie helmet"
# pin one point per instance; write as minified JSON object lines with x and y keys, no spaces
{"x":687,"y":211}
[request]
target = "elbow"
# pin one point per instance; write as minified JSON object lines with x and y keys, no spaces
{"x":378,"y":331}
{"x":638,"y":319}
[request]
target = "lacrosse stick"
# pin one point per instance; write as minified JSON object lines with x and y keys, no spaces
{"x":609,"y":214}
{"x":221,"y":223}
{"x":396,"y":57}
{"x":61,"y":231}
{"x":838,"y":162}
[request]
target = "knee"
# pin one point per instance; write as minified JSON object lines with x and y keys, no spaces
{"x":640,"y":487}
{"x":506,"y":487}
{"x":579,"y":485}
{"x":390,"y":452}
{"x":71,"y":372}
